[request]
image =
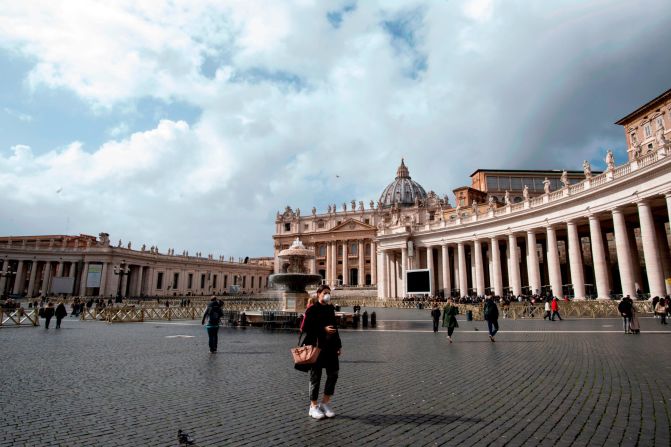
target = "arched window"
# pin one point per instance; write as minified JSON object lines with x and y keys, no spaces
{"x":322,"y":250}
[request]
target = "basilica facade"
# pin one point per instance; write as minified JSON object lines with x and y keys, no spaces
{"x":579,"y":233}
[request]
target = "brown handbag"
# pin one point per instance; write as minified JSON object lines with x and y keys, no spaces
{"x":305,"y":355}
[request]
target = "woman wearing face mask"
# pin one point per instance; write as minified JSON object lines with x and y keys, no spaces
{"x":321,"y":330}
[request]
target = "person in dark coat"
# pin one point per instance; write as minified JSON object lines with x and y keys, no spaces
{"x":321,"y":330}
{"x":48,"y":314}
{"x":60,"y":313}
{"x":491,"y":314}
{"x":625,"y":308}
{"x":213,"y":317}
{"x":450,"y":312}
{"x":435,"y":315}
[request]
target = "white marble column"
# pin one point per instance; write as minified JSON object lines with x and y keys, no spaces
{"x":362,"y":264}
{"x":479,"y":268}
{"x":635,"y":256}
{"x":404,"y":260}
{"x":31,"y":281}
{"x":59,"y":270}
{"x":3,"y":278}
{"x":345,"y":267}
{"x":140,"y":273}
{"x":18,"y":279}
{"x":71,"y":272}
{"x":554,"y":269}
{"x":103,"y":279}
{"x":514,"y":265}
{"x":46,"y":277}
{"x":664,"y":254}
{"x":496,"y":275}
{"x":445,"y":258}
{"x":599,"y":259}
{"x":382,"y":283}
{"x":653,"y":264}
{"x":575,"y":261}
{"x":533,"y":268}
{"x":429,"y":265}
{"x":82,"y":281}
{"x":373,"y":263}
{"x":124,"y":282}
{"x":463,"y":276}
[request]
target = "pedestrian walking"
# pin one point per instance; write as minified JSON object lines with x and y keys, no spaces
{"x":321,"y":330}
{"x":48,"y":314}
{"x":213,"y":317}
{"x":60,"y":313}
{"x":555,"y":309}
{"x":435,"y":315}
{"x":547,"y":310}
{"x":655,"y":300}
{"x":660,"y":309}
{"x":625,"y":308}
{"x":450,"y":318}
{"x":491,"y":314}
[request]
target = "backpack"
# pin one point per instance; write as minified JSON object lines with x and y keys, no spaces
{"x":215,"y":315}
{"x":624,"y":307}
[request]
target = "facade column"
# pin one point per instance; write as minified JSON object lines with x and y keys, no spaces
{"x":46,"y":277}
{"x":653,"y":264}
{"x":463,"y":277}
{"x":599,"y":259}
{"x":362,"y":264}
{"x":381,"y":284}
{"x":335,"y":263}
{"x":138,"y":287}
{"x":554,"y":270}
{"x":124,"y":283}
{"x":71,"y":272}
{"x":533,"y":268}
{"x":345,"y":267}
{"x":496,"y":275}
{"x":575,"y":261}
{"x":59,"y":269}
{"x":429,"y":265}
{"x":404,"y":261}
{"x":3,"y":278}
{"x":103,"y":280}
{"x":18,"y":279}
{"x":31,"y":281}
{"x":445,"y":258}
{"x":634,"y":253}
{"x":664,"y":254}
{"x":373,"y":263}
{"x":82,"y":282}
{"x":514,"y":265}
{"x":329,"y":262}
{"x":479,"y":268}
{"x":391,"y":270}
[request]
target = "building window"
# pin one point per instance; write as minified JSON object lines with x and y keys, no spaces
{"x":322,"y":250}
{"x":354,"y":249}
{"x":244,"y":282}
{"x":175,"y":280}
{"x":287,"y":227}
{"x":189,"y":282}
{"x":320,"y":224}
{"x":432,"y":215}
{"x":225,"y":281}
{"x":159,"y":280}
{"x":252,"y":283}
{"x":306,"y":226}
{"x":260,"y":282}
{"x":339,"y":250}
{"x":516,"y":183}
{"x":338,"y":222}
{"x":647,"y":130}
{"x":492,"y":183}
{"x":235,"y":280}
{"x":368,"y":250}
{"x":202,"y":280}
{"x":214,"y":282}
{"x":366,"y":221}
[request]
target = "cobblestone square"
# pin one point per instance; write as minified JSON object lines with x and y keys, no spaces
{"x":576,"y":382}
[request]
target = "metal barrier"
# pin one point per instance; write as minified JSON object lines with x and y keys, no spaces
{"x":19,"y":317}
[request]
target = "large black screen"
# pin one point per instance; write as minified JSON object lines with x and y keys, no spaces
{"x":418,"y":281}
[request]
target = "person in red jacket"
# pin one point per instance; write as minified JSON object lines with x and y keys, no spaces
{"x":555,"y":309}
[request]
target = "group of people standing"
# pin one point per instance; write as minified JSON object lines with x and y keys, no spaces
{"x":49,"y":312}
{"x":451,"y":310}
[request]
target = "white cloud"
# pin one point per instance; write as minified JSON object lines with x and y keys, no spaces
{"x":26,"y":118}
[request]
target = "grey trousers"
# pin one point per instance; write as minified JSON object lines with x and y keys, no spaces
{"x":316,"y":377}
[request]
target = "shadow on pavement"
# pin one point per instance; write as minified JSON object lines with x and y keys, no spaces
{"x":385,"y":420}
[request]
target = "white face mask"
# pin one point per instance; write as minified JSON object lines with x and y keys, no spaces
{"x":327,"y":297}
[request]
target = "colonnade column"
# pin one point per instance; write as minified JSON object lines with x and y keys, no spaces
{"x":533,"y":269}
{"x":496,"y":276}
{"x":514,"y":265}
{"x":3,"y":278}
{"x":82,"y":282}
{"x":138,"y":287}
{"x":31,"y":281}
{"x":554,"y":270}
{"x":445,"y":258}
{"x":103,"y":280}
{"x":404,"y":261}
{"x":598,"y":258}
{"x":575,"y":261}
{"x":653,"y":265}
{"x":463,"y":277}
{"x":45,"y":278}
{"x":373,"y":263}
{"x":18,"y":279}
{"x":362,"y":264}
{"x":345,"y":268}
{"x":429,"y":265}
{"x":479,"y":268}
{"x":664,"y":255}
{"x":382,"y":283}
{"x":59,"y":269}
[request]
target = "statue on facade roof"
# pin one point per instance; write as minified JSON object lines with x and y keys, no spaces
{"x":587,"y":169}
{"x":143,"y":248}
{"x":314,"y":211}
{"x":298,"y":212}
{"x":361,"y":208}
{"x":610,"y":160}
{"x":474,"y":207}
{"x":660,"y":137}
{"x":490,"y":202}
{"x":344,"y":206}
{"x":353,"y":204}
{"x":119,"y":244}
{"x":278,"y":215}
{"x":507,"y":198}
{"x":635,"y":148}
{"x":546,"y":185}
{"x":525,"y":193}
{"x":129,"y":245}
{"x":564,"y":179}
{"x":372,"y":204}
{"x":329,"y":209}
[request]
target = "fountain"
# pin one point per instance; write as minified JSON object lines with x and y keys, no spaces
{"x":294,"y":277}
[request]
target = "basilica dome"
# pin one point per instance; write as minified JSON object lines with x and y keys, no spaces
{"x":403,"y":190}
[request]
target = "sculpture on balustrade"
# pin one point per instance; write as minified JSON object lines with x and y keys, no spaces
{"x":635,"y":148}
{"x":298,"y":212}
{"x":506,"y":198}
{"x":546,"y":185}
{"x":361,"y":208}
{"x":129,"y":245}
{"x":610,"y":160}
{"x":587,"y":169}
{"x":525,"y":193}
{"x":353,"y":202}
{"x":372,"y":204}
{"x":491,"y":203}
{"x":143,"y":248}
{"x":474,"y":207}
{"x":314,"y":211}
{"x":119,"y":244}
{"x":660,"y":137}
{"x":344,"y":206}
{"x":329,"y":209}
{"x":564,"y":179}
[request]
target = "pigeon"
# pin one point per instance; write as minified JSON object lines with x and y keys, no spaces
{"x":184,"y":438}
{"x":476,"y":329}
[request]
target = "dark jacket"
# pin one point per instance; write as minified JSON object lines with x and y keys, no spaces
{"x":317,"y":317}
{"x":212,"y":308}
{"x":450,"y":316}
{"x":625,"y":307}
{"x":491,"y":311}
{"x":60,"y":311}
{"x":435,"y":314}
{"x":48,"y":312}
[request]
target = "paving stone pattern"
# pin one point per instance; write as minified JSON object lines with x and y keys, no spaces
{"x":93,"y":384}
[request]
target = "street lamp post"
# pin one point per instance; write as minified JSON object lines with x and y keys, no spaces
{"x":121,"y":270}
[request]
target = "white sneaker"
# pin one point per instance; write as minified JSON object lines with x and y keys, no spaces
{"x":316,"y":412}
{"x":328,"y":411}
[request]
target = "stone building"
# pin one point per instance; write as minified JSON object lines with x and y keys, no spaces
{"x":89,"y":266}
{"x":648,"y":128}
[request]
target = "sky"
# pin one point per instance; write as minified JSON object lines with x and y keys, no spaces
{"x":188,"y":124}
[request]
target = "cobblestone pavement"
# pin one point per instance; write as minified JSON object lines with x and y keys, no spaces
{"x":579,"y":382}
